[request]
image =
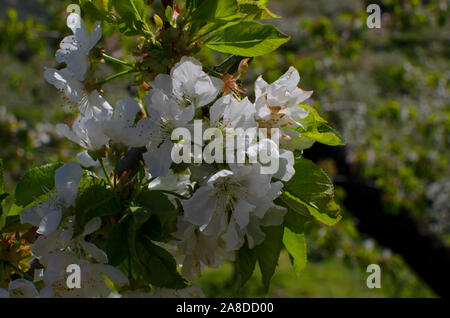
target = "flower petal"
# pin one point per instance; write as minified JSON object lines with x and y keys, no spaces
{"x":66,"y":182}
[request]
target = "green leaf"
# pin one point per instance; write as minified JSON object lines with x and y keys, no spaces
{"x":89,"y":179}
{"x":161,"y":266}
{"x":268,"y":253}
{"x":299,"y":143}
{"x":136,"y":7}
{"x":3,"y":197}
{"x":2,"y":214}
{"x":2,"y":177}
{"x":15,"y":209}
{"x":132,"y":14}
{"x":254,"y":10}
{"x":313,"y":112}
{"x":248,"y":39}
{"x":155,"y":264}
{"x":325,"y":135}
{"x":246,"y":263}
{"x":157,"y":202}
{"x":315,"y":128}
{"x":94,"y":201}
{"x":12,"y":224}
{"x":117,"y":246}
{"x":295,"y":221}
{"x":293,"y":203}
{"x":129,"y":26}
{"x":163,"y":219}
{"x":294,"y":241}
{"x":98,"y":10}
{"x":140,"y":215}
{"x":312,"y":188}
{"x":212,"y":10}
{"x":310,"y":183}
{"x":152,"y":264}
{"x":302,"y":208}
{"x":169,"y":14}
{"x":35,"y":182}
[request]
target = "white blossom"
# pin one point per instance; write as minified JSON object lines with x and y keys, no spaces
{"x":195,"y":249}
{"x":60,"y":249}
{"x":19,"y":288}
{"x":233,"y":113}
{"x":89,"y":102}
{"x":175,"y":182}
{"x":165,"y":115}
{"x":47,"y":215}
{"x":188,"y":84}
{"x":74,"y":49}
{"x":243,"y":192}
{"x":86,"y":132}
{"x":74,"y":52}
{"x":123,"y":128}
{"x":276,"y":103}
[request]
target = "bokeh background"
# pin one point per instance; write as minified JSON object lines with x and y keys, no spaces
{"x":387,"y":91}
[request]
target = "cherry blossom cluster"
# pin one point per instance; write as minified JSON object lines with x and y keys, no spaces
{"x":224,"y":205}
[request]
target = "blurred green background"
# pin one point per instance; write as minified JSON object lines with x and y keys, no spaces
{"x":385,"y":90}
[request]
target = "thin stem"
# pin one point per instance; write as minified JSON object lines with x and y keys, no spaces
{"x":110,"y":78}
{"x":211,"y":71}
{"x":114,"y":60}
{"x":146,"y":27}
{"x":106,"y":172}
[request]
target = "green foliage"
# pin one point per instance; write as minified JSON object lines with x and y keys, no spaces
{"x":248,"y":39}
{"x":295,"y":243}
{"x":94,"y":201}
{"x":134,"y":7}
{"x":311,"y":192}
{"x":98,"y":10}
{"x":161,"y":266}
{"x":116,"y":246}
{"x":214,"y":10}
{"x":35,"y":182}
{"x":315,"y":128}
{"x":3,"y":196}
{"x":155,"y":264}
{"x":268,"y":253}
{"x":246,"y":261}
{"x":12,"y":224}
{"x":162,"y":220}
{"x":133,"y":15}
{"x":2,"y":177}
{"x":255,"y":10}
{"x":20,"y":37}
{"x":2,"y":213}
